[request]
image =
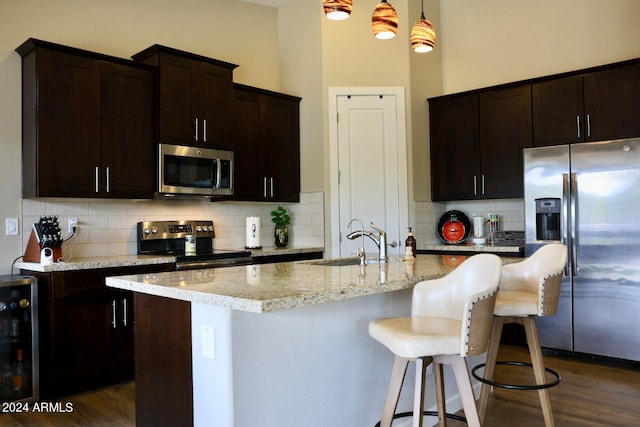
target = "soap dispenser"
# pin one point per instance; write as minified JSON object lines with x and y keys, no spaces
{"x":411,"y":242}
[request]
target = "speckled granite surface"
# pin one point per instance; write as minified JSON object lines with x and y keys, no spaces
{"x":469,"y":248}
{"x":100,"y":262}
{"x":133,"y":260}
{"x":281,"y":286}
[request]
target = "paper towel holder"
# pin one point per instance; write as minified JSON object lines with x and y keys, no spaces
{"x":253,"y":225}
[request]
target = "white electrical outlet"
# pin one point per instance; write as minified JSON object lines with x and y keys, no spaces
{"x":208,"y":347}
{"x":11,"y":226}
{"x":73,"y":223}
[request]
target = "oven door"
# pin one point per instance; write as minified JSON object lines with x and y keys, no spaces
{"x":194,"y":171}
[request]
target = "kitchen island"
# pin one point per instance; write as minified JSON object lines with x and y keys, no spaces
{"x":282,"y":344}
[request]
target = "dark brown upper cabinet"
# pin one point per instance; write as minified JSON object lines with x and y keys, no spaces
{"x":593,"y":106}
{"x":455,"y":147}
{"x":505,"y":130}
{"x":267,"y":145}
{"x":194,"y":97}
{"x":476,"y":144}
{"x":87,"y":122}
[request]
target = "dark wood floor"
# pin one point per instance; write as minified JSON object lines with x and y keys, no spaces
{"x":589,"y":395}
{"x":111,"y":406}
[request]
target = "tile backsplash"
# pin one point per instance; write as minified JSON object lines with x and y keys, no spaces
{"x":108,"y":227}
{"x":427,"y":214}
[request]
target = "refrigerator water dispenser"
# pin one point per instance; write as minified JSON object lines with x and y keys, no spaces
{"x":548,"y":218}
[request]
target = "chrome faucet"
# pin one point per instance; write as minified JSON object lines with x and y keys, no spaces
{"x":380,"y":240}
{"x":360,"y":251}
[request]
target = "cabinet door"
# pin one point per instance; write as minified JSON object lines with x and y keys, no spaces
{"x":612,"y":103}
{"x":250,"y":152}
{"x":66,"y":115}
{"x":127,"y":140}
{"x":178,"y":100}
{"x":122,"y":309}
{"x":282,"y":121}
{"x":81,"y":323}
{"x":505,"y":130}
{"x":558,"y":112}
{"x":215,"y":95}
{"x":455,"y":157}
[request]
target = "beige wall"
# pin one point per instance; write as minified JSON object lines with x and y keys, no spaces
{"x":495,"y":41}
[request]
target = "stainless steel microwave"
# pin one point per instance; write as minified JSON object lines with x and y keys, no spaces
{"x":193,"y":171}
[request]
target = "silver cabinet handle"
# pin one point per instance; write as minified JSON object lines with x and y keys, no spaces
{"x":124,"y":311}
{"x":588,"y":126}
{"x":204,"y":130}
{"x":97,"y":179}
{"x":475,"y":186}
{"x":108,"y":180}
{"x":196,"y":128}
{"x":483,"y":184}
{"x":271,"y":180}
{"x":264,"y":186}
{"x":113,"y":314}
{"x":578,"y":125}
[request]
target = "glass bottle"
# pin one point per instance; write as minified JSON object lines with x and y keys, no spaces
{"x":19,"y":375}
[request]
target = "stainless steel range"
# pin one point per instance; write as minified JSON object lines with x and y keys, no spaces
{"x":191,"y":242}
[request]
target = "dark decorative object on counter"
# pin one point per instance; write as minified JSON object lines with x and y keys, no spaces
{"x":281,"y":219}
{"x":454,"y":226}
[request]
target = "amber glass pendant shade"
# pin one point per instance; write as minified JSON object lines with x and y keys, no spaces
{"x":337,"y":10}
{"x":384,"y":21}
{"x":423,"y":36}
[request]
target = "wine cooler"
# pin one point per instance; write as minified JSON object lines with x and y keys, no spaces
{"x":18,"y":338}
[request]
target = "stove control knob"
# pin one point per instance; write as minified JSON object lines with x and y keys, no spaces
{"x":211,"y":228}
{"x":146,"y":231}
{"x":154,"y":230}
{"x":198,"y":229}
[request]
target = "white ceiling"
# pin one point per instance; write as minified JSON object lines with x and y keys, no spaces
{"x":272,"y":3}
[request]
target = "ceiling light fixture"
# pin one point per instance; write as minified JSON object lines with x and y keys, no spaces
{"x":337,"y":10}
{"x":384,"y":21}
{"x":423,"y":36}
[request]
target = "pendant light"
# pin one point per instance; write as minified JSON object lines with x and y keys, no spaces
{"x":384,"y":21}
{"x":423,"y":36}
{"x":337,"y":10}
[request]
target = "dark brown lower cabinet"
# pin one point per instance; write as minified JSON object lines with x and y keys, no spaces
{"x":164,"y":381}
{"x":86,"y":332}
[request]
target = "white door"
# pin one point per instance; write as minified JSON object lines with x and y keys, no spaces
{"x":370,"y":167}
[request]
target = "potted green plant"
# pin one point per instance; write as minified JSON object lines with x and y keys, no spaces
{"x":281,"y":219}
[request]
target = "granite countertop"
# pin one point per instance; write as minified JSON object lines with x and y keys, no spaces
{"x":469,"y":247}
{"x":280,"y":286}
{"x":135,"y":260}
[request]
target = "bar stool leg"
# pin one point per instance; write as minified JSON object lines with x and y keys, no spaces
{"x":440,"y":396}
{"x":533,"y":340}
{"x":393,"y":391}
{"x":418,"y":393}
{"x":489,"y":367}
{"x":463,"y":380}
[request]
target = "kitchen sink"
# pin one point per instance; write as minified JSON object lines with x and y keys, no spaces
{"x":342,"y":262}
{"x":336,"y":262}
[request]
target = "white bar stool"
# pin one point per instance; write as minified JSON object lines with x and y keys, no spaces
{"x":528,"y":289}
{"x":450,"y":319}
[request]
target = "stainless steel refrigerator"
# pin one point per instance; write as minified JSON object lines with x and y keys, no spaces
{"x":588,"y":196}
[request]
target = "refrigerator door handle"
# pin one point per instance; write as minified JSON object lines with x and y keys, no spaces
{"x":574,"y":225}
{"x":565,"y":219}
